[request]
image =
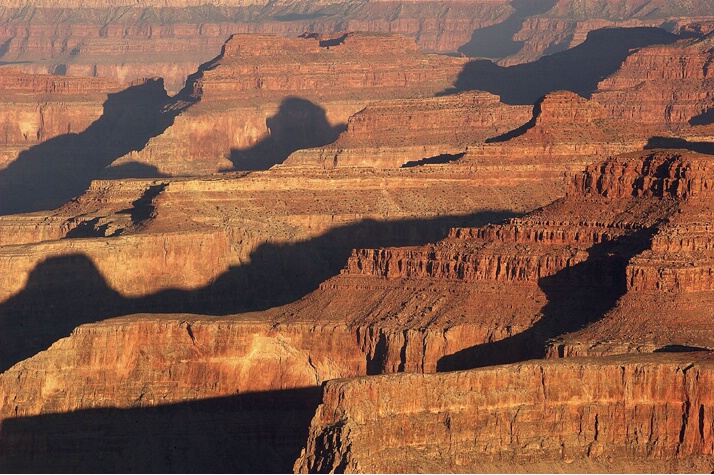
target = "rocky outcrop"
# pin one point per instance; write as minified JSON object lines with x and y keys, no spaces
{"x":669,"y":281}
{"x":608,"y":414}
{"x":36,"y":108}
{"x":663,"y":85}
{"x":390,"y":134}
{"x":252,"y":115}
{"x":170,"y":39}
{"x":254,"y":380}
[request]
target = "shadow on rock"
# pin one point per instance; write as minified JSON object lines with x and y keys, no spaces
{"x":66,"y":291}
{"x":436,"y":160}
{"x":496,"y":41}
{"x":578,"y":69}
{"x":260,"y":432}
{"x":298,"y":124}
{"x":705,"y":118}
{"x":131,"y":170}
{"x":577,"y":296}
{"x":672,"y":142}
{"x":52,"y":172}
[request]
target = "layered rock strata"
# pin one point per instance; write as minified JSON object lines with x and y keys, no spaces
{"x":647,"y":103}
{"x":252,"y":115}
{"x":649,"y":413}
{"x":127,"y":42}
{"x":389,"y":134}
{"x":668,"y":282}
{"x":36,"y":108}
{"x":482,"y":296}
{"x":668,"y":86}
{"x":170,"y":39}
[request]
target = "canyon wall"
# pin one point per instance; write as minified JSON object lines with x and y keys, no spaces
{"x":38,"y":108}
{"x":170,"y":39}
{"x":251,"y":115}
{"x":606,"y":414}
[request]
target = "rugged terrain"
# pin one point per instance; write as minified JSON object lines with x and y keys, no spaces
{"x":219,"y":279}
{"x":128,"y":41}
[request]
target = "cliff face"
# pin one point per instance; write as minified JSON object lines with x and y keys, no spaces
{"x":170,"y":39}
{"x":38,"y":108}
{"x":389,"y":134}
{"x":607,"y":414}
{"x":665,"y":85}
{"x":670,"y":280}
{"x":481,"y":296}
{"x":252,"y":115}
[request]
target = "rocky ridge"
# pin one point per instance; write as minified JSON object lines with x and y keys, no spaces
{"x":252,"y":115}
{"x":170,"y":39}
{"x":648,"y":413}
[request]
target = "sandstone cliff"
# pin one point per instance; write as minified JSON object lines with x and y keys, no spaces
{"x":252,"y":115}
{"x":588,"y":415}
{"x":170,"y":39}
{"x":37,"y":108}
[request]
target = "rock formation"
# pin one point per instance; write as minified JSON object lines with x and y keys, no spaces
{"x":189,"y":322}
{"x":643,"y":414}
{"x":170,"y":38}
{"x":390,"y":134}
{"x":37,"y":108}
{"x":482,"y":296}
{"x":252,"y":115}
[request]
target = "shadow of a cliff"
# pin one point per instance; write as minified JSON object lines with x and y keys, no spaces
{"x":672,"y":143}
{"x":578,"y":69}
{"x":298,"y":124}
{"x":576,"y":296}
{"x":496,"y":41}
{"x":260,"y":432}
{"x":436,"y":160}
{"x":52,"y":172}
{"x":131,"y":170}
{"x":66,"y":291}
{"x":705,"y":118}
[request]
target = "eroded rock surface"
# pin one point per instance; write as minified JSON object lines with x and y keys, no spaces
{"x":648,"y":413}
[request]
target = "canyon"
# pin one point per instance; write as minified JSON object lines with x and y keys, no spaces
{"x":130,"y":41}
{"x":272,"y":236}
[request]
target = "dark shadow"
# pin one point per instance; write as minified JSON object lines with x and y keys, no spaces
{"x":89,"y":228}
{"x":60,"y":70}
{"x":325,"y":43}
{"x":5,"y":47}
{"x":52,"y":172}
{"x":437,"y":160}
{"x":131,"y":170}
{"x":67,"y":291}
{"x":558,"y":47}
{"x":578,"y":69}
{"x":496,"y":41}
{"x":61,"y":293}
{"x":517,"y":132}
{"x":680,"y":349}
{"x":334,"y":41}
{"x":260,"y":432}
{"x":673,"y":143}
{"x":143,"y":208}
{"x":705,"y":118}
{"x":298,"y":124}
{"x":577,"y":296}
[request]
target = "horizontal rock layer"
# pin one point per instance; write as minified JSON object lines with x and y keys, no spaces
{"x":619,"y":413}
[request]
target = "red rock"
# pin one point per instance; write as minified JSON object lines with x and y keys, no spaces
{"x":641,"y":413}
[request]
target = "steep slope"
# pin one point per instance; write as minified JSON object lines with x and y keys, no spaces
{"x":637,"y":414}
{"x":252,"y":114}
{"x":38,"y":108}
